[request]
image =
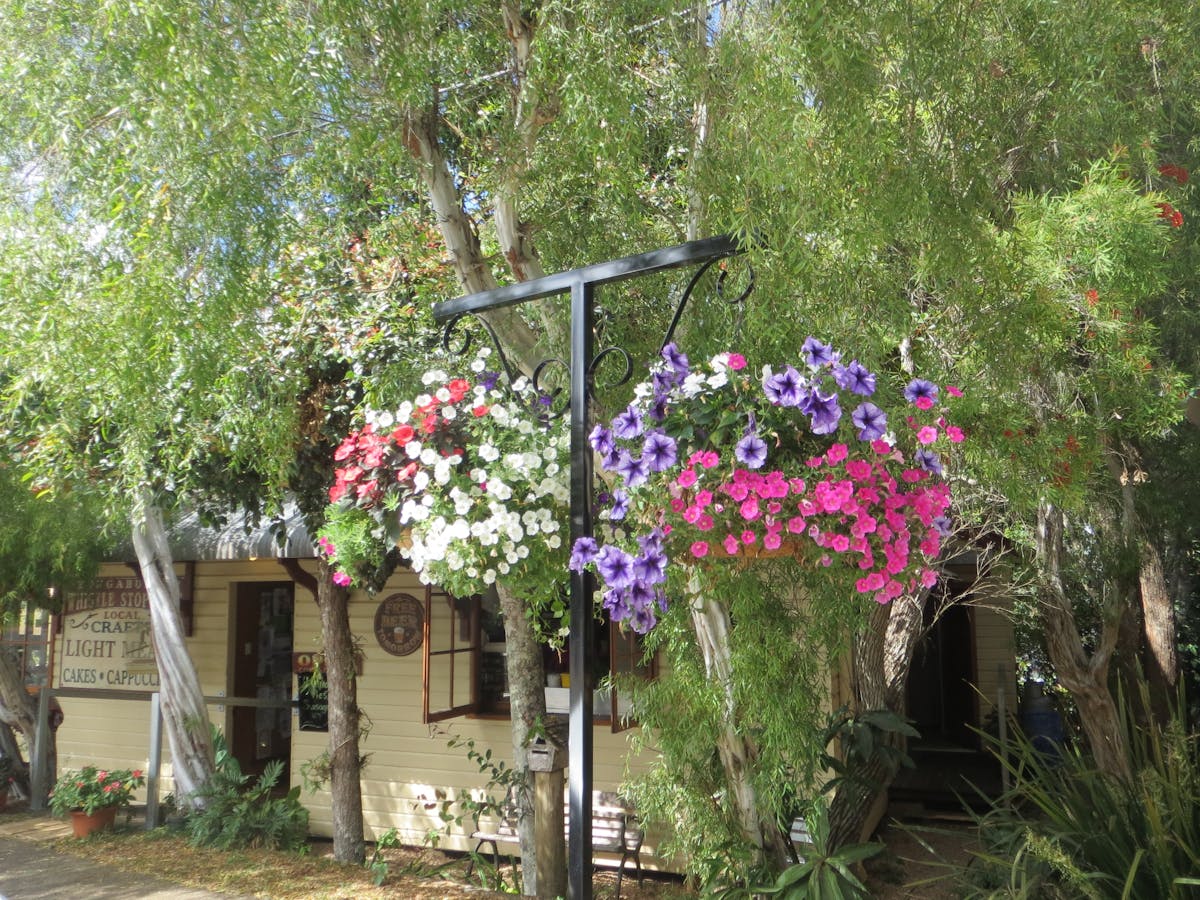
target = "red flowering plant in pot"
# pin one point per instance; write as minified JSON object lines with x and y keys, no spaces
{"x":717,"y":461}
{"x":91,"y":789}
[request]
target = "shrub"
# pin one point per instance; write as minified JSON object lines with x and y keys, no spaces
{"x":230,"y":814}
{"x":1066,"y":830}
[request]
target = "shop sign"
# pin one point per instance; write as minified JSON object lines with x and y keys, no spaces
{"x":106,"y":640}
{"x":400,"y":624}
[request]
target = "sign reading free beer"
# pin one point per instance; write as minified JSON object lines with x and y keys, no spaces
{"x":106,"y":637}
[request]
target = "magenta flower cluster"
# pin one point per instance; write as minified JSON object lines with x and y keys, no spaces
{"x":716,"y":464}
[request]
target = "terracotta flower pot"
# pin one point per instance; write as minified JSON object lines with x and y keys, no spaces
{"x":84,"y":824}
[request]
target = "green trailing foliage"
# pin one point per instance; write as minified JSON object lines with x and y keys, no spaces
{"x":234,"y":813}
{"x":1066,"y":830}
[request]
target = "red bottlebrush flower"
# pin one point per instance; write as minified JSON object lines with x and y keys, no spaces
{"x":1092,"y":297}
{"x":1173,"y":216}
{"x":1170,"y":170}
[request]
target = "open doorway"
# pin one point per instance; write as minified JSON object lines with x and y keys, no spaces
{"x":261,"y":653}
{"x":942,"y":701}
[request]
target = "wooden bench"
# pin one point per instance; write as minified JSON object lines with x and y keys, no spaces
{"x":614,"y":830}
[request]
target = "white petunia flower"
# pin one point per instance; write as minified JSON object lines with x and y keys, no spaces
{"x":385,"y":420}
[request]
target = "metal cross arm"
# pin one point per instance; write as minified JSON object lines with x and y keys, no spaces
{"x":581,"y":284}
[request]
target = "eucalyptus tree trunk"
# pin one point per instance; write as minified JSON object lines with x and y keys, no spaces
{"x":185,"y":716}
{"x":18,"y":713}
{"x":345,"y":759}
{"x":882,"y":658}
{"x":527,"y":704}
{"x":21,"y":774}
{"x":1084,"y":675}
{"x":736,"y":749}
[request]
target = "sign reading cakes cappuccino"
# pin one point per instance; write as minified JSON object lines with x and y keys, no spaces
{"x":106,"y":639}
{"x":400,"y":624}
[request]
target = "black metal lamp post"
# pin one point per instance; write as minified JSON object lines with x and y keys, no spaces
{"x":581,"y":284}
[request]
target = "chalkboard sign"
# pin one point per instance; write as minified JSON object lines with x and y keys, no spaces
{"x":314,"y":702}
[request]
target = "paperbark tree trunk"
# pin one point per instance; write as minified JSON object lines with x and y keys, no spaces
{"x":345,"y":759}
{"x":185,"y":716}
{"x":883,"y":653}
{"x":1085,"y":676}
{"x":18,"y":713}
{"x":737,"y":751}
{"x":1158,"y":622}
{"x":527,"y":704}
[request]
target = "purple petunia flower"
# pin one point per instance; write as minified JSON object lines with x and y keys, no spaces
{"x":620,"y":506}
{"x":751,"y":451}
{"x":871,"y":422}
{"x":628,"y":425}
{"x":658,"y":409}
{"x":640,"y":595}
{"x":823,"y":410}
{"x":816,"y":353}
{"x":784,"y":388}
{"x":676,"y":359}
{"x":650,"y":567}
{"x":918,"y":388}
{"x":616,"y":601}
{"x":855,"y":378}
{"x":489,"y":379}
{"x":659,"y":451}
{"x":652,"y":541}
{"x":929,"y":461}
{"x":601,"y":440}
{"x":942,"y":525}
{"x":642,"y":619}
{"x":635,"y":470}
{"x":615,"y":566}
{"x":664,"y":381}
{"x":582,"y":553}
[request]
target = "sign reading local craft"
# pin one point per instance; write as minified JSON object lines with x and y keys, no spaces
{"x":106,"y":637}
{"x":400,"y":624}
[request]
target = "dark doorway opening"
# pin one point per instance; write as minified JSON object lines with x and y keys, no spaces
{"x":941,"y":696}
{"x":262,"y":670}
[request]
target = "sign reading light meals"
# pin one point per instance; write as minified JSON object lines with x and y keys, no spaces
{"x":106,"y":637}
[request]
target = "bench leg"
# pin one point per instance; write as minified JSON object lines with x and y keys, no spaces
{"x":495,"y":856}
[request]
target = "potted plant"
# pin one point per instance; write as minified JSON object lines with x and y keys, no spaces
{"x":92,"y":796}
{"x":6,"y":779}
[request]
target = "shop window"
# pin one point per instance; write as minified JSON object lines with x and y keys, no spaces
{"x":29,"y":634}
{"x":464,"y":669}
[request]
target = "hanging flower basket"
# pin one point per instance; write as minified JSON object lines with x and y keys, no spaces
{"x":716,"y":463}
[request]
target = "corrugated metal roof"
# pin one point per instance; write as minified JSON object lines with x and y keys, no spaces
{"x":281,"y":537}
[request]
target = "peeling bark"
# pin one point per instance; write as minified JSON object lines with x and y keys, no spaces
{"x":527,"y":703}
{"x":737,"y":751}
{"x":883,"y":653}
{"x":1085,"y":676}
{"x":184,"y":714}
{"x":345,"y":759}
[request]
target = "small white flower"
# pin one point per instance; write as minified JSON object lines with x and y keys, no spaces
{"x":421,"y":481}
{"x":385,"y":420}
{"x":422,"y":400}
{"x":489,"y":577}
{"x":443,"y":394}
{"x":554,"y":542}
{"x":719,"y":362}
{"x":428,"y":456}
{"x":412,"y":449}
{"x":404,"y":413}
{"x":502,"y":568}
{"x":716,"y":380}
{"x":488,"y":453}
{"x":477,"y":365}
{"x":449,"y":412}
